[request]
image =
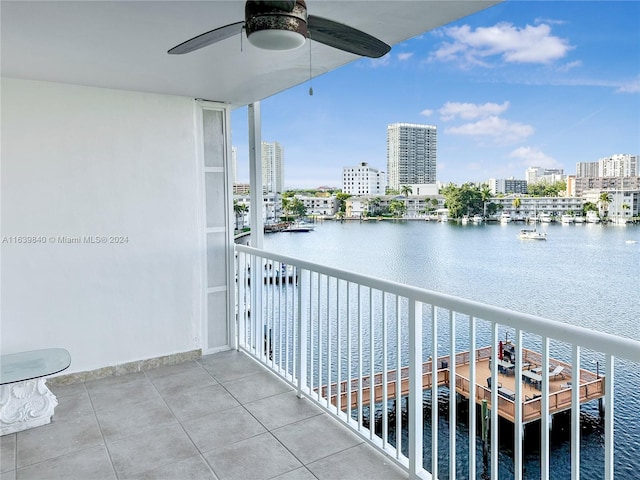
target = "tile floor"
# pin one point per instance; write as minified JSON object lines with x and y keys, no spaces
{"x":222,"y":417}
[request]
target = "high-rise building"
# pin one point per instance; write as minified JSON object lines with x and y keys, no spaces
{"x":507,"y":185}
{"x":411,"y":154}
{"x":363,"y":180}
{"x":272,"y":167}
{"x":620,"y":165}
{"x":587,"y":169}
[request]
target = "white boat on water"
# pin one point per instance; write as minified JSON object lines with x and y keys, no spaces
{"x":300,"y":227}
{"x":578,"y":219}
{"x":465,"y":219}
{"x":505,"y":218}
{"x":567,"y":219}
{"x":592,"y":217}
{"x":544,"y":218}
{"x":531,"y":234}
{"x":477,"y":219}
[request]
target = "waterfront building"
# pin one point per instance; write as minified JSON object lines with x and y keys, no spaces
{"x":271,"y":206}
{"x":533,"y":206}
{"x":507,"y":185}
{"x":319,"y":206}
{"x":363,"y":180}
{"x":411,"y":154}
{"x":623,"y":206}
{"x":417,"y":206}
{"x":272,"y":167}
{"x":606,"y":183}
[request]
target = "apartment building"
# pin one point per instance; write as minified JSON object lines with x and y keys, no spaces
{"x":411,"y":154}
{"x":363,"y":180}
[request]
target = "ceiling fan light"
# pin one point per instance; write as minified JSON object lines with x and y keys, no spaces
{"x":277,"y":39}
{"x":276,"y":25}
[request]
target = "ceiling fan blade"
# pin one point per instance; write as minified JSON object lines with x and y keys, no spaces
{"x":344,"y":37}
{"x":207,"y":38}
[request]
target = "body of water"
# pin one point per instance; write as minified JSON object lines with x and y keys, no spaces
{"x":586,"y":275}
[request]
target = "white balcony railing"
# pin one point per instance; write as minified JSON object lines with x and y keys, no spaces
{"x":341,"y":338}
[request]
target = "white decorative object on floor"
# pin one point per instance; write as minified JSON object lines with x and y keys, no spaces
{"x":25,"y":400}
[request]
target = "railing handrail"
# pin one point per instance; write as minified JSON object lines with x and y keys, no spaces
{"x":620,"y":347}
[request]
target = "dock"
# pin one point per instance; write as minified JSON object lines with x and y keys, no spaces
{"x":560,"y":384}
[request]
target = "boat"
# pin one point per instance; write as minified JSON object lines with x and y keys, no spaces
{"x":465,"y":219}
{"x":505,"y":218}
{"x":592,"y":217}
{"x":567,"y":218}
{"x":300,"y":227}
{"x":532,"y":234}
{"x":544,"y":218}
{"x":578,"y":219}
{"x":477,"y":219}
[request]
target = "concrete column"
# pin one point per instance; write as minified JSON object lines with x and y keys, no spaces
{"x":255,"y":176}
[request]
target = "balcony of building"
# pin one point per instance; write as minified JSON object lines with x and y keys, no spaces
{"x":221,"y":417}
{"x":117,"y":227}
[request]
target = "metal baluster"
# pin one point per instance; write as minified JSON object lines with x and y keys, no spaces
{"x":415,"y":389}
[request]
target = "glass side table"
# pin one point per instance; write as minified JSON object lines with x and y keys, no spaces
{"x":25,"y":400}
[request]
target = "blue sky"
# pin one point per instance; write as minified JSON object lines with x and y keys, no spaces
{"x":521,"y":84}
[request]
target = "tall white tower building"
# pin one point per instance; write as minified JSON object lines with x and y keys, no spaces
{"x":363,"y":180}
{"x":619,"y":165}
{"x":411,"y":154}
{"x":272,"y":167}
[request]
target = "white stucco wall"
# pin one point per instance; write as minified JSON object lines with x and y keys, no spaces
{"x":79,"y":161}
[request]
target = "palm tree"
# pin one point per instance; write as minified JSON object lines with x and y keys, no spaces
{"x":625,"y":207}
{"x":397,"y":207}
{"x":516,"y":203}
{"x":406,"y":190}
{"x":239,"y":209}
{"x":604,"y":201}
{"x":485,"y":196}
{"x":286,"y":206}
{"x":374,"y":206}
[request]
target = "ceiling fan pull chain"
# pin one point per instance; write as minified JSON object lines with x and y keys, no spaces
{"x":310,"y":76}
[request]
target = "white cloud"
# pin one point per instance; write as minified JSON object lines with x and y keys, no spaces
{"x":469,"y":111}
{"x":531,"y":44}
{"x":630,"y":87}
{"x":570,"y":66}
{"x":501,"y":130}
{"x":426,"y":112}
{"x":532,"y":156}
{"x":405,"y":56}
{"x":549,"y":21}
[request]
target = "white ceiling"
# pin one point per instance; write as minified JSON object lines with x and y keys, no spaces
{"x":123,"y":44}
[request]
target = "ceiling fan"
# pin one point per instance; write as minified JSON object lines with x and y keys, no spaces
{"x":284,"y":25}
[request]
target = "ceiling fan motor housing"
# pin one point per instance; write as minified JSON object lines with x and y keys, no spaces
{"x":273,"y":26}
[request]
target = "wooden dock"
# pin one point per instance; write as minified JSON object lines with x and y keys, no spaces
{"x":560,"y":385}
